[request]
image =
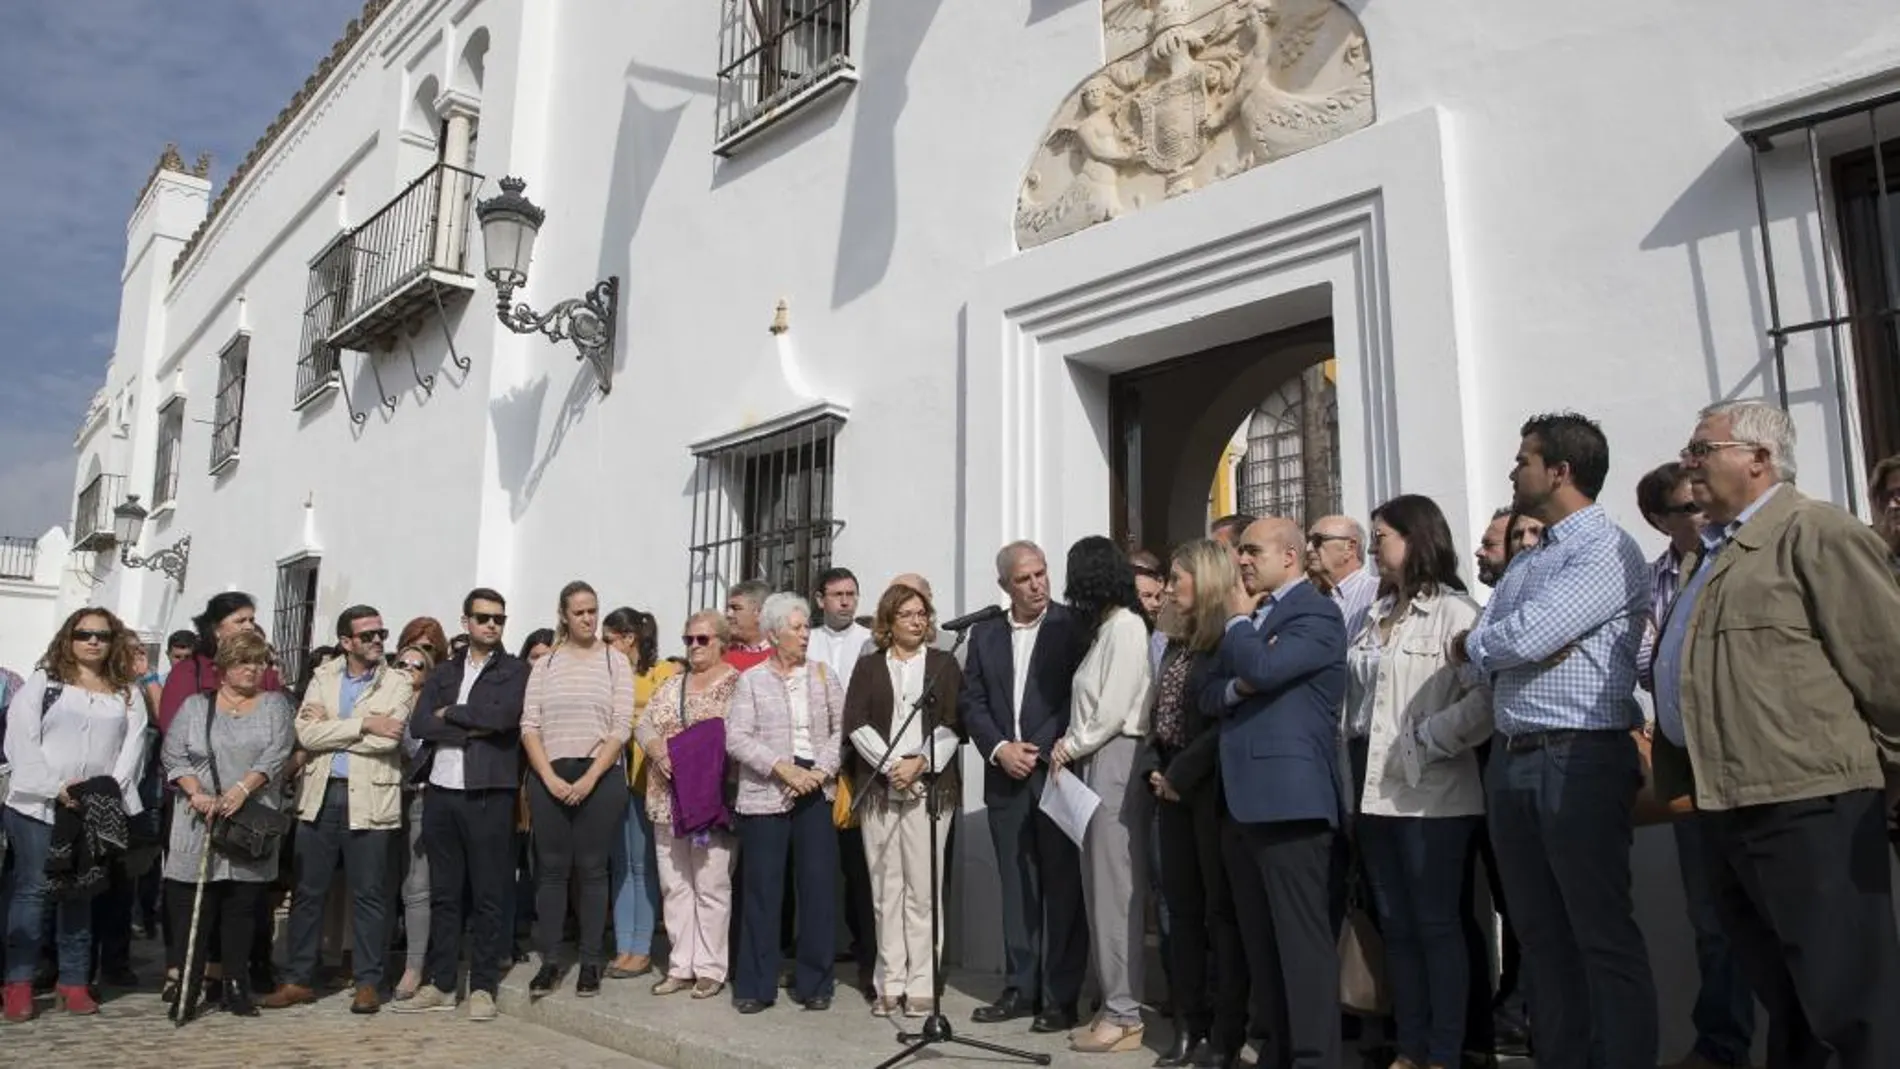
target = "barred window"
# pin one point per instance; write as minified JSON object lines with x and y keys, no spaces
{"x":776,"y":56}
{"x":762,"y":509}
{"x":1292,"y":464}
{"x":295,"y":608}
{"x":228,"y":423}
{"x":328,"y":294}
{"x":171,"y":434}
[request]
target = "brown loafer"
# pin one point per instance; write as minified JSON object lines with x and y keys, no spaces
{"x":366,"y":1001}
{"x":287,"y":996}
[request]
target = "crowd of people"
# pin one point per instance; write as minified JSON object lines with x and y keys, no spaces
{"x":1281,"y":725}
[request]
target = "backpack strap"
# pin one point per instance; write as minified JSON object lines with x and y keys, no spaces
{"x":49,"y":696}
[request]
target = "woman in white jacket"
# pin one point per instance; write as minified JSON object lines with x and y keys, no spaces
{"x":1108,"y":716}
{"x":1423,"y":796}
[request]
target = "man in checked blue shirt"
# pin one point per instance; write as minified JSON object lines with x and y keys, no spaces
{"x":1558,"y":644}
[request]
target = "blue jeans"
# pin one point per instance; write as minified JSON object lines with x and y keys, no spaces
{"x":23,"y":892}
{"x":636,"y":881}
{"x":1560,"y":821}
{"x":1416,"y":867}
{"x":1724,"y":1013}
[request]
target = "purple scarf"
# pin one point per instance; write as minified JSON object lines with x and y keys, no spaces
{"x":698,"y":755}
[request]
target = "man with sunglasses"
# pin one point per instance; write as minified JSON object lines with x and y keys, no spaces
{"x":349,"y":804}
{"x":1336,"y":550}
{"x":468,"y":721}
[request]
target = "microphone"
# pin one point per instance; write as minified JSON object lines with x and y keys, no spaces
{"x":971,"y":619}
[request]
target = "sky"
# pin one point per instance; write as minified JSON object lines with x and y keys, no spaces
{"x":90,"y":92}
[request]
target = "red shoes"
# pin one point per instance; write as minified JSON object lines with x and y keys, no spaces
{"x":17,"y":998}
{"x":75,"y":1000}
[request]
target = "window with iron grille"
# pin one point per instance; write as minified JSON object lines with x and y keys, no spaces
{"x":1868,"y":189}
{"x":762,"y":510}
{"x":776,"y":55}
{"x":171,"y":434}
{"x":327,"y":295}
{"x":1292,"y":464}
{"x":291,"y":622}
{"x":227,"y":423}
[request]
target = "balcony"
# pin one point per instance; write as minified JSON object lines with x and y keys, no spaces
{"x":92,"y":521}
{"x":19,"y":557}
{"x":409,"y":256}
{"x":777,"y":57}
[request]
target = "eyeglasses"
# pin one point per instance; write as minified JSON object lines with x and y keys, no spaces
{"x":1318,"y":540}
{"x":697,"y":640}
{"x":81,"y":635}
{"x":913,"y":614}
{"x":374,"y":634}
{"x":1699,"y":451}
{"x":412,"y":666}
{"x":496,"y":618}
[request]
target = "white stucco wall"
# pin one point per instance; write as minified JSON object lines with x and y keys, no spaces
{"x":1551,"y":212}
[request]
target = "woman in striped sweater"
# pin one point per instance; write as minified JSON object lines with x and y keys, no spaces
{"x":574,"y":729}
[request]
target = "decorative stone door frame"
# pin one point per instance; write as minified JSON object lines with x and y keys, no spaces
{"x":1362,"y":229}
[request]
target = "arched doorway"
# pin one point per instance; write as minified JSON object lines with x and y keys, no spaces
{"x":1251,"y":426}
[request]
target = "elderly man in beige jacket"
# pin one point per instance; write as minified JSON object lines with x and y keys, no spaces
{"x":1776,"y":708}
{"x":349,"y":804}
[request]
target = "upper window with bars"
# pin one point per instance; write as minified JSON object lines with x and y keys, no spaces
{"x":776,"y":56}
{"x":171,"y":435}
{"x":762,"y":508}
{"x":227,"y":424}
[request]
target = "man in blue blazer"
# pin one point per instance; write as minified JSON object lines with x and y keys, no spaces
{"x":1015,"y":704}
{"x":1276,"y":685}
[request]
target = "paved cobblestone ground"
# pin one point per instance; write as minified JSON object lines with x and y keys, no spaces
{"x":132,"y":1030}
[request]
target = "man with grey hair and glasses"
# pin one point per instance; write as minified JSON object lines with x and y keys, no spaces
{"x":1776,"y":711}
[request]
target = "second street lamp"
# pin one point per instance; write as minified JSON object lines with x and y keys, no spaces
{"x":510,"y":223}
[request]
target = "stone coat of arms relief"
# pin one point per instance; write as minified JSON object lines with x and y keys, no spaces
{"x":1194,"y":91}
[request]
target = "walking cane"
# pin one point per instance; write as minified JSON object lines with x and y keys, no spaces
{"x":188,"y":988}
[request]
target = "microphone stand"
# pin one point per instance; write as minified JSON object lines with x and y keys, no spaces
{"x":936,"y":1028}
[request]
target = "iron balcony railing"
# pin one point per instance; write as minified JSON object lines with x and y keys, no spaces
{"x":92,"y":520}
{"x":359,"y":287}
{"x":19,"y":557}
{"x":771,"y":54}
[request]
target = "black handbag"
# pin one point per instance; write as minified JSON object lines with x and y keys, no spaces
{"x":251,"y":833}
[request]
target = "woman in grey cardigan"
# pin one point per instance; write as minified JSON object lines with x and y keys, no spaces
{"x":782,"y":730}
{"x":244,"y":735}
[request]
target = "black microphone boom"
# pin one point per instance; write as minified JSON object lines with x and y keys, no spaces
{"x":971,"y":619}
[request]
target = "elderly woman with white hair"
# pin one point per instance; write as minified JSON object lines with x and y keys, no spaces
{"x":783,"y":730}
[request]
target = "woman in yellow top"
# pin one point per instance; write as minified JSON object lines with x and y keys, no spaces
{"x":636,"y":873}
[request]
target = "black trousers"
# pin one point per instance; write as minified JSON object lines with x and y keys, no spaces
{"x":573,"y":843}
{"x":1200,"y":902}
{"x":230,"y":912}
{"x":1283,"y":879}
{"x":1805,"y":894}
{"x":469,"y":838}
{"x":365,"y":856}
{"x":807,"y":832}
{"x":1045,"y":923}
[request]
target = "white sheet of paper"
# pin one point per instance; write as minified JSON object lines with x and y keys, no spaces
{"x":1069,"y":802}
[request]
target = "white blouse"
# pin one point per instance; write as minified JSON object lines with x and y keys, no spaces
{"x":1110,"y":694}
{"x":83,"y":735}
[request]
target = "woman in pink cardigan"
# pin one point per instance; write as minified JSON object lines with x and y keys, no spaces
{"x":783,"y":730}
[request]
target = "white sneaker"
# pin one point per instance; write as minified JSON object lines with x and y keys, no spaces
{"x":428,"y":998}
{"x":481,"y":1006}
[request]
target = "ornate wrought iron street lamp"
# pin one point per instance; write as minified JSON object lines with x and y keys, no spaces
{"x":509,"y":225}
{"x":128,"y":523}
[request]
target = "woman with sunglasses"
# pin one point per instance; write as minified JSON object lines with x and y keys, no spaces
{"x":575,"y":725}
{"x":78,"y":717}
{"x":695,"y":870}
{"x":415,"y":658}
{"x":635,"y":877}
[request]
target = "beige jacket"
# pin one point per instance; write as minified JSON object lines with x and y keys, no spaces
{"x":1426,"y":721}
{"x":1790,"y":665}
{"x":375,"y":762}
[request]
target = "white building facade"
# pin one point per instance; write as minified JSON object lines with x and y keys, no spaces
{"x":898,"y":282}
